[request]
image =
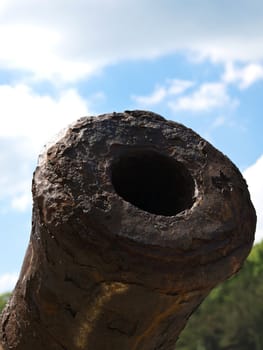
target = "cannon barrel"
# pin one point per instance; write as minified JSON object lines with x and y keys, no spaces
{"x":135,"y":220}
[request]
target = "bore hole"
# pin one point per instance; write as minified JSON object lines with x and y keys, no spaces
{"x":153,"y":182}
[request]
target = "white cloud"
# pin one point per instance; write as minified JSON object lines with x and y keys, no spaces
{"x":156,"y":97}
{"x":172,"y":87}
{"x":35,"y":117}
{"x":7,"y":282}
{"x":22,"y":202}
{"x":223,"y":48}
{"x":28,"y":121}
{"x":244,"y":76}
{"x":219,"y":122}
{"x":253,"y":176}
{"x":178,"y":86}
{"x":35,"y":49}
{"x":3,"y":5}
{"x":207,"y":97}
{"x":61,"y":40}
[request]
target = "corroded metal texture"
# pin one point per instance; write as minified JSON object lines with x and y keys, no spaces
{"x":135,"y":220}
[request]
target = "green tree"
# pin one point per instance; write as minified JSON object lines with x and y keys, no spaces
{"x":3,"y":299}
{"x":232,"y":315}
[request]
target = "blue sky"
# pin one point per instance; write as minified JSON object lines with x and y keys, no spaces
{"x":196,"y":62}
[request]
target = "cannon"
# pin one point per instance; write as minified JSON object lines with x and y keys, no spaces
{"x":135,"y":219}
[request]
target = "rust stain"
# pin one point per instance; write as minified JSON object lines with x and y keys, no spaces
{"x":159,"y":318}
{"x":107,"y":292}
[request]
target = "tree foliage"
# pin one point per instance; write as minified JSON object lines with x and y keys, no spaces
{"x":3,"y":299}
{"x":232,"y":315}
